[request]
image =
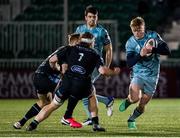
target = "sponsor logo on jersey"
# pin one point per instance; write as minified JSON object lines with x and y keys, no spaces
{"x":78,"y":69}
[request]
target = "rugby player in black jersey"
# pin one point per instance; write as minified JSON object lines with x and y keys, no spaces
{"x":76,"y":82}
{"x":45,"y":81}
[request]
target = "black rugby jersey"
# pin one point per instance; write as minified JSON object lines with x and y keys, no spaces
{"x":81,"y":60}
{"x":45,"y":68}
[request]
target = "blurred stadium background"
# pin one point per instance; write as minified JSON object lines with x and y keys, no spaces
{"x":32,"y":29}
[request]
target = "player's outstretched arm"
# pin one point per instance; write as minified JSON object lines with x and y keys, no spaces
{"x":109,"y":72}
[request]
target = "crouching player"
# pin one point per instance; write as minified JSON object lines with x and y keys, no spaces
{"x":45,"y":81}
{"x":76,"y":82}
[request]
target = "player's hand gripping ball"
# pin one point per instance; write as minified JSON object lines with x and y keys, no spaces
{"x":149,"y":44}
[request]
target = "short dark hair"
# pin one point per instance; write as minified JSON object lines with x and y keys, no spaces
{"x":91,"y":9}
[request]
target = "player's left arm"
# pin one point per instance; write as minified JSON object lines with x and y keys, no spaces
{"x":162,"y":47}
{"x":109,"y":72}
{"x":107,"y":47}
{"x":108,"y":56}
{"x":104,"y":70}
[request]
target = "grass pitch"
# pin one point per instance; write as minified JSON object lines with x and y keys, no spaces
{"x":161,"y":119}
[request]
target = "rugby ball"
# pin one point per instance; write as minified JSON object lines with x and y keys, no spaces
{"x":150,"y":42}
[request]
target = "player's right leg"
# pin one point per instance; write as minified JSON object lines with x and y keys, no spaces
{"x":68,"y":119}
{"x":42,"y":115}
{"x":46,"y":111}
{"x":72,"y":100}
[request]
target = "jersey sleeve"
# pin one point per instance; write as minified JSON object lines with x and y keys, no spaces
{"x":162,"y":47}
{"x":105,"y":37}
{"x":62,"y":53}
{"x":100,"y":62}
{"x":131,"y":56}
{"x":129,"y":46}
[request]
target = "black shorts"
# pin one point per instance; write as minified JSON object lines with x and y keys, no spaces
{"x":43,"y":84}
{"x":75,"y":87}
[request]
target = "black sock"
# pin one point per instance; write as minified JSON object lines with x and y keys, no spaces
{"x":72,"y":102}
{"x":33,"y":111}
{"x":34,"y":124}
{"x":135,"y":115}
{"x":127,"y":103}
{"x":95,"y":120}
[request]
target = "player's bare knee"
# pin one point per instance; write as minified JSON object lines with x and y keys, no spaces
{"x":42,"y":103}
{"x":133,"y":99}
{"x":43,"y":99}
{"x":134,"y":94}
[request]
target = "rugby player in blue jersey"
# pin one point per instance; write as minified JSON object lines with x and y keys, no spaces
{"x":143,"y":50}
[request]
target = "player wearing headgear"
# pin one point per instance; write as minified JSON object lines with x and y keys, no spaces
{"x":76,"y":82}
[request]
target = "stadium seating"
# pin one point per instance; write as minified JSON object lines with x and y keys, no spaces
{"x":122,"y":11}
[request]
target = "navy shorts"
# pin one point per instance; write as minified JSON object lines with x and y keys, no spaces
{"x":75,"y":87}
{"x":43,"y":83}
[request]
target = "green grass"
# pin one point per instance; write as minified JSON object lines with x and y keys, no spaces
{"x":161,"y":119}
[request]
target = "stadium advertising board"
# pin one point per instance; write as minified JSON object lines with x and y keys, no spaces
{"x":19,"y":84}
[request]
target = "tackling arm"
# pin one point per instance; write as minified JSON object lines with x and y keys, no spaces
{"x":108,"y":72}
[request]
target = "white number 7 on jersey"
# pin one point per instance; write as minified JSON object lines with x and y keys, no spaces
{"x":81,"y":56}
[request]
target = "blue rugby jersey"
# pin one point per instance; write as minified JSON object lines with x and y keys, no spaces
{"x":102,"y":39}
{"x":148,"y":66}
{"x":101,"y":35}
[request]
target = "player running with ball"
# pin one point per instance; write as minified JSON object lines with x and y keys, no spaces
{"x":142,"y":50}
